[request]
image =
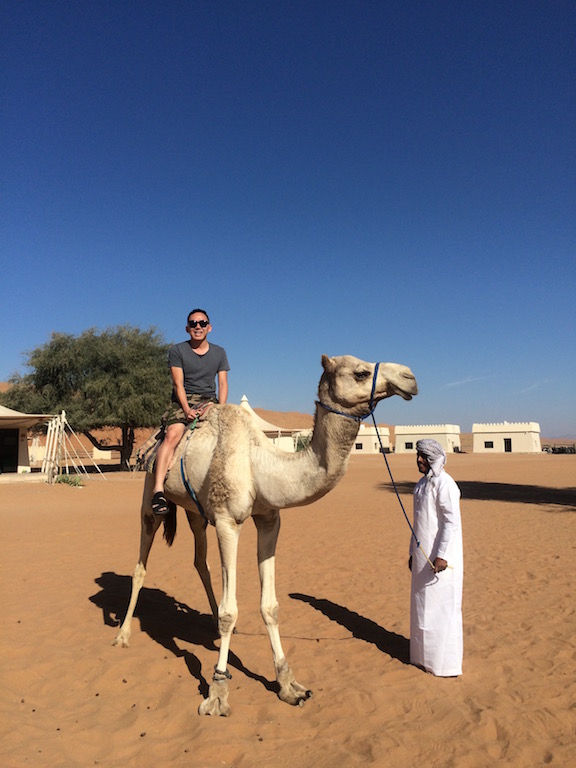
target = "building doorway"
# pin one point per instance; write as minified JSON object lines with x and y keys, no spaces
{"x":9,"y":450}
{"x":507,"y":445}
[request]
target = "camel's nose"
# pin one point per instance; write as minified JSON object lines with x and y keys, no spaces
{"x":411,"y":385}
{"x":400,"y":379}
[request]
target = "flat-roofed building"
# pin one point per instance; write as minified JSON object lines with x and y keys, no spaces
{"x":367,"y":441}
{"x":448,"y":435}
{"x":506,"y":437}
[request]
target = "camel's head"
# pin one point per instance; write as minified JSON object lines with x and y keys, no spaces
{"x":347,"y":383}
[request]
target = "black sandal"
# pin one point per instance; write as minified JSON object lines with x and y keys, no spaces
{"x":160,"y":504}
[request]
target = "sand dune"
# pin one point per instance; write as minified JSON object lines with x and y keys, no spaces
{"x":70,"y":699}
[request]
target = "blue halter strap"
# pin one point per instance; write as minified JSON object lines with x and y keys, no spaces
{"x":185,"y":481}
{"x":372,"y":405}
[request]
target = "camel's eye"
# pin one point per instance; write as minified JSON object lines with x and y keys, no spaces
{"x":361,"y":375}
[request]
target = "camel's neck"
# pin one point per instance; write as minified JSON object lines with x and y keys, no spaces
{"x":327,"y":454}
{"x":291,"y":480}
{"x":332,"y":441}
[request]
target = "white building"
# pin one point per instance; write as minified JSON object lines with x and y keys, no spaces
{"x":506,"y":437}
{"x":367,"y":442}
{"x":448,"y":435}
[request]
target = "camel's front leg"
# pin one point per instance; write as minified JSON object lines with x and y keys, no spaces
{"x":228,"y":533}
{"x":268,"y":528}
{"x":149,"y":525}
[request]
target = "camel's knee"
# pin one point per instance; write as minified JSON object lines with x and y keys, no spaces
{"x":200,"y":556}
{"x":270,"y":614}
{"x":139,"y":572}
{"x":227,"y":622}
{"x":201,"y":565}
{"x":151,"y":523}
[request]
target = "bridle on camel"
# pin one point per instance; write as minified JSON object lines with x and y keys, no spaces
{"x":372,"y":405}
{"x":360,"y":419}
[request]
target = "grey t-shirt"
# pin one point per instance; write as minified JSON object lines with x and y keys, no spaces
{"x":200,"y":371}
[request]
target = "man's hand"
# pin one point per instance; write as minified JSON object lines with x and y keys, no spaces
{"x":440,"y":565}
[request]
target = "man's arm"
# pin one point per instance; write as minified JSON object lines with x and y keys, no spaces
{"x":178,"y":382}
{"x":448,"y":510}
{"x":222,"y":387}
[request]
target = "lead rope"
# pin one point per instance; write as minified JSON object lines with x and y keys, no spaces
{"x":361,"y":419}
{"x":383,"y":452}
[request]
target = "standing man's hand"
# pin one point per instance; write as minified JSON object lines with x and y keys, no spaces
{"x":440,"y":565}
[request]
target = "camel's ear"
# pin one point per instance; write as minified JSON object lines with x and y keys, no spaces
{"x":327,"y":363}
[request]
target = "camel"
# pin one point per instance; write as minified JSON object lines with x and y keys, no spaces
{"x":236,"y":473}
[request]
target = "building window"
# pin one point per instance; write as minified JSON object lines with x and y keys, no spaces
{"x":358,"y":446}
{"x":408,"y":446}
{"x":488,"y":444}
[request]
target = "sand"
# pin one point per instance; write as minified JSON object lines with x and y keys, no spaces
{"x":70,"y":699}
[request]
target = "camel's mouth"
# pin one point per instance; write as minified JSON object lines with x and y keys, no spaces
{"x":405,"y":385}
{"x":402,"y":392}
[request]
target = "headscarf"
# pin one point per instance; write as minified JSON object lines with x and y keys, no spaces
{"x":435,"y":454}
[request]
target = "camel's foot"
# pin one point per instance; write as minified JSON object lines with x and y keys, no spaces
{"x":122,"y":639}
{"x":217,"y":701}
{"x":290,"y":690}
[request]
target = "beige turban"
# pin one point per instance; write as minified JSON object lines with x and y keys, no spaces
{"x":435,"y":454}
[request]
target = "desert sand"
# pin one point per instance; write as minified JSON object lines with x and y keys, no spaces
{"x":71,"y":699}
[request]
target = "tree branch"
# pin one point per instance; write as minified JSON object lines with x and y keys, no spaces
{"x":99,"y":445}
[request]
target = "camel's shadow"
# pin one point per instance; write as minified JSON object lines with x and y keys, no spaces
{"x":396,"y":646}
{"x":166,"y":620}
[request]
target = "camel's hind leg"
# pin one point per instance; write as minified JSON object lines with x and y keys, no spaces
{"x":268,"y":527}
{"x":198,"y":527}
{"x":149,"y":525}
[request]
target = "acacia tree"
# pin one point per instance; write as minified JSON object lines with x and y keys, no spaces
{"x":114,"y":378}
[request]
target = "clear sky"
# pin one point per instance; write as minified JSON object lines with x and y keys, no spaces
{"x":392,"y":179}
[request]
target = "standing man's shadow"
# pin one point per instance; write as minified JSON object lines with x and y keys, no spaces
{"x":396,"y":646}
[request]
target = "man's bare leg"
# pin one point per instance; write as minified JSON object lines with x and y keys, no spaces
{"x":164,"y":456}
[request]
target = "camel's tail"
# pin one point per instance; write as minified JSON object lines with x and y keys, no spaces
{"x":170,"y":524}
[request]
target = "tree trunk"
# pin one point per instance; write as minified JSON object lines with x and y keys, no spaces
{"x":128,"y":438}
{"x":125,"y":446}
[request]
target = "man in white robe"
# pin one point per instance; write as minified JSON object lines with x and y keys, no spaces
{"x":437,"y":567}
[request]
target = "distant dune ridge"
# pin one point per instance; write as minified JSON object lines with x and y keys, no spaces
{"x":287,"y":419}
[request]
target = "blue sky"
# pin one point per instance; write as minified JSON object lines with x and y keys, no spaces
{"x":392,"y":180}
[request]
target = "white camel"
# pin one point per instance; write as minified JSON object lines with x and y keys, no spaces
{"x":236,"y":473}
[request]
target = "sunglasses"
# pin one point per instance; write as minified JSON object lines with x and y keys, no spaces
{"x":196,"y":323}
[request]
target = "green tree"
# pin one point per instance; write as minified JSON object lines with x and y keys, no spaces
{"x":113,"y":378}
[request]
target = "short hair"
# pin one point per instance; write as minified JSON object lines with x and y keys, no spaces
{"x":193,"y":312}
